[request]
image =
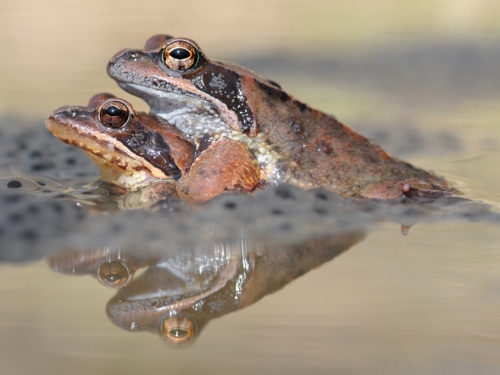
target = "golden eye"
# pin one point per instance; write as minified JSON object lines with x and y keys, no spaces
{"x":114,"y":114}
{"x":113,"y":274}
{"x":180,"y":56}
{"x":178,"y":330}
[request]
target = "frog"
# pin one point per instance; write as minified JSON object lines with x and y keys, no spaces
{"x":293,"y":142}
{"x":137,"y":151}
{"x":183,"y":292}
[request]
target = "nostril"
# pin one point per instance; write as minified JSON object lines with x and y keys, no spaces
{"x":116,"y":63}
{"x":124,"y":53}
{"x":65,"y":113}
{"x":134,"y":55}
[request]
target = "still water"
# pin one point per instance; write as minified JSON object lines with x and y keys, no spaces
{"x":284,"y":282}
{"x":424,"y":303}
{"x":380,"y":302}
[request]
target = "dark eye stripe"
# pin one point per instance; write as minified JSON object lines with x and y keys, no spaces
{"x":151,"y":146}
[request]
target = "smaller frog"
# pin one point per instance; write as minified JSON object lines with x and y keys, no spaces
{"x":135,"y":150}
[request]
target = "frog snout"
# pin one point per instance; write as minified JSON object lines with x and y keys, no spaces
{"x":126,"y":54}
{"x":65,"y":115}
{"x":63,"y":112}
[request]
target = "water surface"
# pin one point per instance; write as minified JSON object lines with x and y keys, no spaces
{"x":418,"y":80}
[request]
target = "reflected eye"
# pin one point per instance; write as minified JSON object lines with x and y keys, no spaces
{"x":180,"y":56}
{"x":114,"y":114}
{"x":113,"y":274}
{"x":178,"y":330}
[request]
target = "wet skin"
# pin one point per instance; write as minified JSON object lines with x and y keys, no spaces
{"x":291,"y":141}
{"x":139,"y":150}
{"x":176,"y":300}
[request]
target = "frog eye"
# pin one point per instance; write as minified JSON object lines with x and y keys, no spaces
{"x":178,"y":330}
{"x":114,"y":114}
{"x":180,"y":55}
{"x":113,"y":274}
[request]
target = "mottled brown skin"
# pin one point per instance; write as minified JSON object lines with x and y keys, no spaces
{"x":146,"y":149}
{"x":322,"y":151}
{"x":315,"y":149}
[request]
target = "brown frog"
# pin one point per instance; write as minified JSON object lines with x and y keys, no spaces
{"x":180,"y":295}
{"x":291,"y":141}
{"x":138,"y":150}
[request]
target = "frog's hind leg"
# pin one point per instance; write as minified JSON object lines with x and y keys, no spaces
{"x":410,"y":188}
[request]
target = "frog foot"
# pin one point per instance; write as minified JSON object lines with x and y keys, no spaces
{"x":410,"y":188}
{"x":147,"y":196}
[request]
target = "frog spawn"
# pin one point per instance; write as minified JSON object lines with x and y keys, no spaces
{"x":32,"y":227}
{"x":37,"y":153}
{"x":40,"y":215}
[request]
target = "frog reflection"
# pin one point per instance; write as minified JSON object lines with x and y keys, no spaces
{"x":177,"y":297}
{"x":113,"y":269}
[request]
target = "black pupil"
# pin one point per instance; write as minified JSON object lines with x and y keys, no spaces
{"x":180,"y":53}
{"x":113,"y":277}
{"x":179,"y":333}
{"x":113,"y":111}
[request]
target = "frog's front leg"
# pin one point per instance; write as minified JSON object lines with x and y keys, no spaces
{"x":411,"y":188}
{"x":147,"y":196}
{"x":226,"y":165}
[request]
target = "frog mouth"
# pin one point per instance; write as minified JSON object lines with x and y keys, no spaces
{"x":188,"y":295}
{"x":118,"y":165}
{"x":186,"y":111}
{"x":164,"y":292}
